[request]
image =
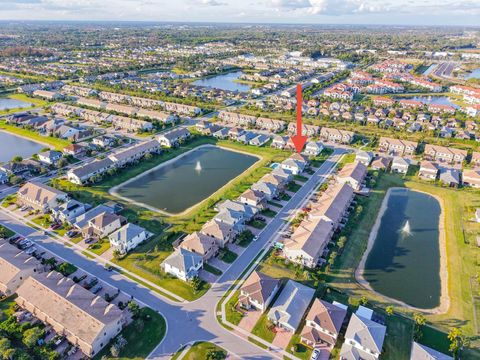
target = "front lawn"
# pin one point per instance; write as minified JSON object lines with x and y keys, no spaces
{"x":232,"y":314}
{"x":264,"y":329}
{"x":99,"y":247}
{"x":257,"y":224}
{"x":142,"y":336}
{"x":205,"y":350}
{"x":6,"y":232}
{"x":227,"y":255}
{"x":296,"y":348}
{"x":268,"y":212}
{"x":293,"y":187}
{"x":212,"y":269}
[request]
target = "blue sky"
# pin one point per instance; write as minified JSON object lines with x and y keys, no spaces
{"x":411,"y":12}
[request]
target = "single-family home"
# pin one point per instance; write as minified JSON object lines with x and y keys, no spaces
{"x":74,"y":149}
{"x":293,"y":166}
{"x":69,"y":210}
{"x":231,"y":217}
{"x":363,"y":339}
{"x":253,"y":198}
{"x":381,"y":163}
{"x":365,"y":157}
{"x":183,"y":264}
{"x":313,"y":148}
{"x":201,"y":244}
{"x":221,"y":231}
{"x":248,"y":211}
{"x":322,"y":324}
{"x":49,"y":157}
{"x":103,"y":225}
{"x":422,"y":352}
{"x":450,"y":177}
{"x":257,"y":291}
{"x":128,"y":237}
{"x":400,"y":165}
{"x":288,"y":309}
{"x":428,"y":170}
{"x":269,"y":190}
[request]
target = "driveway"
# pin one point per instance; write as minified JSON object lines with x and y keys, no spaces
{"x":236,"y":249}
{"x":219,"y":264}
{"x":250,"y":319}
{"x":207,"y":276}
{"x":282,"y":339}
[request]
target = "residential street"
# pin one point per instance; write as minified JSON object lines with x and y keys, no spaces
{"x":189,"y":322}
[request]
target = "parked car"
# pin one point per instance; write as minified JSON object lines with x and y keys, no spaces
{"x":55,"y":226}
{"x":97,"y":289}
{"x":71,"y":233}
{"x":315,"y":354}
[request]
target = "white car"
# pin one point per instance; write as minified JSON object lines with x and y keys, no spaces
{"x":315,"y":354}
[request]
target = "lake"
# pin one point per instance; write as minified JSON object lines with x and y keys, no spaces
{"x":224,"y":82}
{"x":404,"y":262}
{"x":475,"y":74}
{"x":7,"y":104}
{"x":12,"y":145}
{"x":187,"y":180}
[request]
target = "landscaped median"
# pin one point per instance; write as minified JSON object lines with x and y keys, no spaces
{"x":201,"y":350}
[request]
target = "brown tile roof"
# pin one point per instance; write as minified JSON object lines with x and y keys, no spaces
{"x":259,"y":287}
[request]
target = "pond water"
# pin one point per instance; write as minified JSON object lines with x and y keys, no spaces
{"x":187,"y":180}
{"x":7,"y":104}
{"x":475,"y":74}
{"x":441,"y":100}
{"x":404,"y":262}
{"x":12,"y":145}
{"x":224,"y":82}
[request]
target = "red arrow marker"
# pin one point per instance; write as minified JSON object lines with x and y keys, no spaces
{"x":299,"y":140}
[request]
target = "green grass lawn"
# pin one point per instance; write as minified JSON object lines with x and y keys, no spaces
{"x":227,"y":255}
{"x":293,"y":187}
{"x":268,"y":212}
{"x":99,"y":247}
{"x":232,"y":314}
{"x":264,"y":329}
{"x":212,"y":269}
{"x":5,"y":232}
{"x":56,"y":143}
{"x":9,"y":200}
{"x":257,"y":224}
{"x":142,"y":336}
{"x":299,"y":349}
{"x":202,"y":351}
{"x":6,"y":306}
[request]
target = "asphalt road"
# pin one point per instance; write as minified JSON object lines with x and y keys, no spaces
{"x":190,"y":321}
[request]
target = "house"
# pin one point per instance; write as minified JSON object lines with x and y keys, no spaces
{"x":258,"y":291}
{"x":353,"y":174}
{"x":471,"y":177}
{"x":222,"y":232}
{"x":73,"y":150}
{"x":322,"y":324}
{"x":363,"y":339}
{"x":231,"y":217}
{"x":381,"y":163}
{"x":422,"y":352}
{"x":235,"y":132}
{"x":201,"y":244}
{"x":400,"y":165}
{"x":428,"y":170}
{"x":104,"y":141}
{"x":253,"y":198}
{"x":279,"y":141}
{"x":85,"y":319}
{"x":40,"y":196}
{"x":450,"y":177}
{"x":221,"y":133}
{"x":134,"y":153}
{"x":87,"y":172}
{"x":69,"y":210}
{"x":246,"y":137}
{"x":50,"y":157}
{"x":475,"y":160}
{"x":183,"y":264}
{"x":288,"y":309}
{"x":267,"y":189}
{"x":313,"y":148}
{"x":48,"y":95}
{"x":103,"y":225}
{"x":128,"y":237}
{"x":259,"y":140}
{"x":444,"y":154}
{"x":82,"y":221}
{"x":248,"y":211}
{"x":292,"y":165}
{"x":3,"y":177}
{"x":173,"y":138}
{"x":365,"y":157}
{"x":397,"y":147}
{"x":308,"y":242}
{"x":15,"y":267}
{"x":336,"y":135}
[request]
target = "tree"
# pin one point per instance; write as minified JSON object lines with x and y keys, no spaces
{"x":389,"y":310}
{"x":363,"y":301}
{"x":134,"y":308}
{"x":31,"y":336}
{"x":332,"y":258}
{"x":17,"y":158}
{"x":419,"y":319}
{"x":196,"y":283}
{"x":6,"y":350}
{"x":62,"y":163}
{"x":457,"y":341}
{"x":341,"y":242}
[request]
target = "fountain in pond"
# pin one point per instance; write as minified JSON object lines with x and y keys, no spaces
{"x":198,"y":167}
{"x":405,"y":230}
